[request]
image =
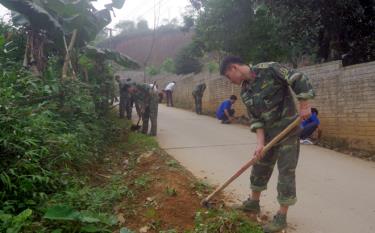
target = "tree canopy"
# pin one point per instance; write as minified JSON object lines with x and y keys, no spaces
{"x":286,"y":30}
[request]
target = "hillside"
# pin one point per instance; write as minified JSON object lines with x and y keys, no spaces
{"x":137,"y":46}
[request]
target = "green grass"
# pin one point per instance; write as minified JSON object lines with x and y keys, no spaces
{"x":171,"y":192}
{"x":201,"y":186}
{"x":141,"y":143}
{"x":173,"y":163}
{"x":142,"y":181}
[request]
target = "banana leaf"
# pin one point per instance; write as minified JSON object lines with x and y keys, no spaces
{"x":38,"y":17}
{"x":106,"y":54}
{"x":61,"y":17}
{"x":115,"y":4}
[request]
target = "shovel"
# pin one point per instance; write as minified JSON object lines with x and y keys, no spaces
{"x":137,"y":126}
{"x":278,"y":138}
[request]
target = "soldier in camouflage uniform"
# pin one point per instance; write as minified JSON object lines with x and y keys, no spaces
{"x":125,"y":97}
{"x":129,"y":107}
{"x":147,"y":99}
{"x":198,"y":94}
{"x":265,"y":90}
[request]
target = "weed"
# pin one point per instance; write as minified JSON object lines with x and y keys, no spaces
{"x":223,"y":221}
{"x":14,"y":224}
{"x":142,"y":181}
{"x":201,"y":186}
{"x":83,"y":221}
{"x":96,"y":199}
{"x":150,"y":213}
{"x":139,"y":143}
{"x":173,"y":163}
{"x":169,"y":231}
{"x":171,"y":192}
{"x":155,"y":224}
{"x":125,"y":230}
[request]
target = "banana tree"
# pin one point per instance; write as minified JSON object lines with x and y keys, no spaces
{"x":52,"y":22}
{"x":96,"y":70}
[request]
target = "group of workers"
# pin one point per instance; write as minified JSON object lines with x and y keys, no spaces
{"x":146,"y":98}
{"x":268,"y":91}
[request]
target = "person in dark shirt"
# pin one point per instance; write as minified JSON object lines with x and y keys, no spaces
{"x":225,"y":112}
{"x":198,"y":95}
{"x":309,"y":126}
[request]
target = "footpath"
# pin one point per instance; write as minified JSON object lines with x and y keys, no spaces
{"x":335,"y":191}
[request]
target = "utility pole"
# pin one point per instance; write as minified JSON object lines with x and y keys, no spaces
{"x":111,"y":42}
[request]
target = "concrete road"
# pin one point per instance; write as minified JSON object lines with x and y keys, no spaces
{"x":336,"y":192}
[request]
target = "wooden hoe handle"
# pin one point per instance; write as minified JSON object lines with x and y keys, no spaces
{"x":275,"y":140}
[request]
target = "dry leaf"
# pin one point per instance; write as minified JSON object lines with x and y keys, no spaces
{"x":121,"y":218}
{"x":144,"y":229}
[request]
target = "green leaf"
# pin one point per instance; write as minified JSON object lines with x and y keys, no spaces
{"x":108,"y":220}
{"x":106,"y":54}
{"x":103,"y":18}
{"x":18,"y":221}
{"x":62,"y":212}
{"x":85,"y":217}
{"x":23,"y":216}
{"x":14,"y":229}
{"x":57,"y":231}
{"x":5,"y":217}
{"x":38,"y":17}
{"x":19,"y":20}
{"x":2,"y":40}
{"x":90,"y":228}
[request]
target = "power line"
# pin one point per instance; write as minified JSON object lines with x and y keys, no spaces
{"x":134,"y":9}
{"x":156,"y":21}
{"x":151,"y":8}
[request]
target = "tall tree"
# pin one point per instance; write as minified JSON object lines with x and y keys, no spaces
{"x":330,"y":29}
{"x":125,"y":26}
{"x":241,"y":27}
{"x":286,"y":30}
{"x":142,"y":25}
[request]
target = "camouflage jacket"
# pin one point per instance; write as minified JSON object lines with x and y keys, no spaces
{"x":144,"y":95}
{"x":199,"y":89}
{"x":123,"y":84}
{"x":269,"y":102}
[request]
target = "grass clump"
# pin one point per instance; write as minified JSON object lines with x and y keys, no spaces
{"x":224,"y":221}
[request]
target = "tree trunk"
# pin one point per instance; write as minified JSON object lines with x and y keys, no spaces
{"x":68,"y":61}
{"x":86,"y":74}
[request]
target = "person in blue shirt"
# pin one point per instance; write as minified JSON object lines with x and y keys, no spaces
{"x":309,"y":126}
{"x":225,"y":112}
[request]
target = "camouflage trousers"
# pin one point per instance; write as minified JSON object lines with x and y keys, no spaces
{"x":126,"y":106}
{"x":151,"y":114}
{"x":286,"y":155}
{"x":198,"y":104}
{"x":124,"y":100}
{"x":129,"y":107}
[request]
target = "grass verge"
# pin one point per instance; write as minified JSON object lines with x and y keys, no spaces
{"x":134,"y":187}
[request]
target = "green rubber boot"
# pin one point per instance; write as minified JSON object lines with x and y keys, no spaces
{"x":278,"y":224}
{"x":250,"y":206}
